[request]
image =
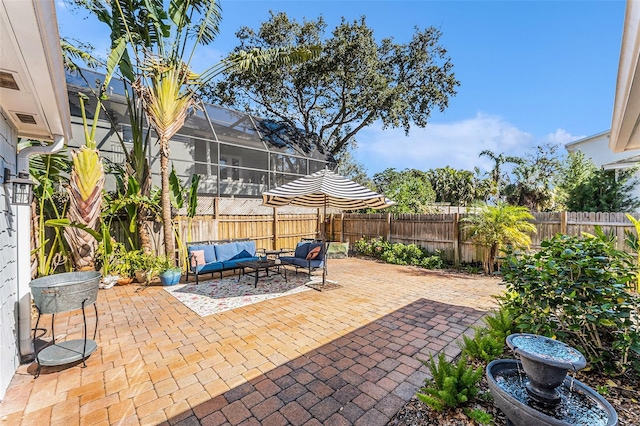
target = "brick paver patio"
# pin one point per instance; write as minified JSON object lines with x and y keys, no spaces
{"x":345,"y":356}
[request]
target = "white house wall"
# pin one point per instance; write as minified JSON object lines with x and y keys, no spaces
{"x":9,"y":358}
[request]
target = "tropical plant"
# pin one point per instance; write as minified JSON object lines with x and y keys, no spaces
{"x":86,"y":181}
{"x":575,"y":289}
{"x":179,"y":193}
{"x":495,"y":227}
{"x":498,"y":178}
{"x":632,"y":241}
{"x":50,"y":173}
{"x":451,"y":385}
{"x":355,"y":82}
{"x":163,"y":44}
{"x":456,"y":187}
{"x":605,"y":191}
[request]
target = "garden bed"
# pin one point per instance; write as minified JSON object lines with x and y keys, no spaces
{"x":622,"y":392}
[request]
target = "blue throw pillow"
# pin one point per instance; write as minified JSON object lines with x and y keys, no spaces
{"x":242,"y":255}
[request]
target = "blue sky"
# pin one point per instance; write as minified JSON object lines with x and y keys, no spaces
{"x":531,"y":71}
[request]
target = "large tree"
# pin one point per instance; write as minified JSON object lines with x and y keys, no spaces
{"x":410,"y":189}
{"x":457,"y":187}
{"x":355,"y":82}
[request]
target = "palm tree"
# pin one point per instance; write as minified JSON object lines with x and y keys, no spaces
{"x":495,"y":227}
{"x":498,"y":160}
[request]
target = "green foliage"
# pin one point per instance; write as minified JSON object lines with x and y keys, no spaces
{"x":456,"y":187}
{"x":496,"y":227}
{"x":479,"y":416}
{"x":575,"y":289}
{"x":534,"y":178}
{"x":604,"y":191}
{"x":452,"y":385}
{"x":398,"y":253}
{"x":500,"y":324}
{"x":484,"y":346}
{"x":410,"y":189}
{"x":354,"y":82}
{"x":632,"y":241}
{"x":499,"y":178}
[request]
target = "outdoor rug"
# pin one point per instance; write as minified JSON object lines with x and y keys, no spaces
{"x":219,"y":295}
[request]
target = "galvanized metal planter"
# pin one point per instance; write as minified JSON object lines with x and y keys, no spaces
{"x":63,"y":293}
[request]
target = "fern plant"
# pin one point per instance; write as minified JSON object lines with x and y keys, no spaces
{"x":484,"y":346}
{"x":452,"y":384}
{"x":500,"y":324}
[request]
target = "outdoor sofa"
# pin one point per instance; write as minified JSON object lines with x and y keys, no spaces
{"x":217,"y":256}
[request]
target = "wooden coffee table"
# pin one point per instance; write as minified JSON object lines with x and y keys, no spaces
{"x":253,"y":268}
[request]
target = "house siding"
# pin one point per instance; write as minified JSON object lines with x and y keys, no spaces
{"x":9,"y":357}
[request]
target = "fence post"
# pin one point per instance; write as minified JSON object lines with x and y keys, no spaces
{"x":456,"y":238}
{"x":388,"y":227}
{"x":275,"y":228}
{"x":342,"y":227}
{"x":216,"y":217}
{"x":563,"y":222}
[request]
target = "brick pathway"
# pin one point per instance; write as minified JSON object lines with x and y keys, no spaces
{"x":345,"y":356}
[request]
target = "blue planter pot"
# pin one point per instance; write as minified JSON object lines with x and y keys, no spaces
{"x":170,"y":277}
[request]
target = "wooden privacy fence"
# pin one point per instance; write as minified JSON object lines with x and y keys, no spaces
{"x":443,"y":232}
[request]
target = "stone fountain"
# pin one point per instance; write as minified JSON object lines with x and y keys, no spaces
{"x":536,"y":390}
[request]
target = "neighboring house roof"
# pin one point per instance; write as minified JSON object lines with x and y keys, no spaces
{"x":625,"y":163}
{"x":32,"y":82}
{"x":571,"y":146}
{"x":625,"y":135}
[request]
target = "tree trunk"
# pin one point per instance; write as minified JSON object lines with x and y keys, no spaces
{"x":141,"y":219}
{"x":167,"y":222}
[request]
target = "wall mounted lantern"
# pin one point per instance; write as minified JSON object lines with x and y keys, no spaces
{"x":22,"y":187}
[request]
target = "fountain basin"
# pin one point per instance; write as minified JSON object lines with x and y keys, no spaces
{"x":579,"y":404}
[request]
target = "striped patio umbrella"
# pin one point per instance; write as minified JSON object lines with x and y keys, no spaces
{"x":321,"y":190}
{"x":325,"y":189}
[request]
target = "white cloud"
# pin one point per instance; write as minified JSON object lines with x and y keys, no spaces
{"x":456,"y":144}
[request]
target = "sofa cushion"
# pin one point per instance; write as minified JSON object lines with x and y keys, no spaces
{"x":226,"y":251}
{"x":248,"y":246}
{"x":209,"y":253}
{"x":302,"y":250}
{"x":210,"y":267}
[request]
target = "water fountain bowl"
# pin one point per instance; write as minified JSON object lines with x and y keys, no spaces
{"x":545,"y":362}
{"x":580,"y":405}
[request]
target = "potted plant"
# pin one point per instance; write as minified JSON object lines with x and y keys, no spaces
{"x":169,"y":275}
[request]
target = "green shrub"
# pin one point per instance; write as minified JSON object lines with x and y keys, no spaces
{"x":399,"y":254}
{"x":452,"y":384}
{"x":575,"y":289}
{"x":484,"y":346}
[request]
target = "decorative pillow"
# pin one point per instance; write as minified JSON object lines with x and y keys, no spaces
{"x":302,"y":250}
{"x":197,"y":258}
{"x":242,"y":255}
{"x":313,"y":253}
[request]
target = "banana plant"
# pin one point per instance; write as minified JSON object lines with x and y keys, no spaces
{"x":86,"y":182}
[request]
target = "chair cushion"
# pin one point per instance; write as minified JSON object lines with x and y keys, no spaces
{"x":197,"y":258}
{"x":313,"y":253}
{"x":210,"y":267}
{"x":226,"y":251}
{"x":302,"y":250}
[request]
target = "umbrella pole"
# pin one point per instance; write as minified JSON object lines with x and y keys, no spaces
{"x":324,"y":241}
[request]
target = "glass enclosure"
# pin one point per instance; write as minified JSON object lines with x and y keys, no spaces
{"x":234,"y":153}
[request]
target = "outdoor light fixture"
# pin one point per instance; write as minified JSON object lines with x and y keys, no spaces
{"x":22,"y":187}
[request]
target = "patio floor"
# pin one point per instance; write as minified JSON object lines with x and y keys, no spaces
{"x":345,"y":356}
